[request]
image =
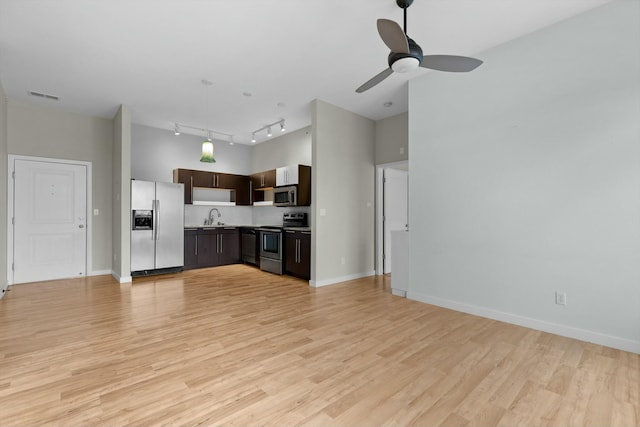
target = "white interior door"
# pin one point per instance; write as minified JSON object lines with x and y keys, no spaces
{"x":396,"y":186}
{"x":50,"y":221}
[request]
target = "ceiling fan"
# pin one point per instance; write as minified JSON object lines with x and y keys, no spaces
{"x":406,"y":55}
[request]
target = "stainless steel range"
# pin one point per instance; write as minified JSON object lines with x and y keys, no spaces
{"x":271,"y":241}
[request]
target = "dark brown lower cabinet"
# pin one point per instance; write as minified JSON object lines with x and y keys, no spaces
{"x":229,"y":246}
{"x":190,"y":252}
{"x":211,"y":247}
{"x":297,"y":253}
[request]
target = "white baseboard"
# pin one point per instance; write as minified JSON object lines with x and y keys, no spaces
{"x":125,"y":279}
{"x":100,"y":273}
{"x":540,"y":325}
{"x":3,"y":288}
{"x":333,"y":281}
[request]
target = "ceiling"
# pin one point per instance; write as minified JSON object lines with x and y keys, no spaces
{"x":267,"y":59}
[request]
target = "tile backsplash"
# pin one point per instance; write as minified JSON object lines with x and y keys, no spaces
{"x":194,"y":215}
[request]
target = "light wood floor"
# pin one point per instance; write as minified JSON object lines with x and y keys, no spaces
{"x":235,"y":346}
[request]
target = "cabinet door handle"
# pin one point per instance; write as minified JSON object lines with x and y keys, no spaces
{"x":196,"y":245}
{"x":221,"y":243}
{"x":298,"y":250}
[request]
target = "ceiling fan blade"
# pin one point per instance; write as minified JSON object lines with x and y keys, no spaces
{"x":375,"y":80}
{"x":393,"y":36}
{"x":451,"y":63}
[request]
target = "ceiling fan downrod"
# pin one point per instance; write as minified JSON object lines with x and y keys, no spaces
{"x":404,"y":4}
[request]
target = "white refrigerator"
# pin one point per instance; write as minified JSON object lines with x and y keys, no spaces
{"x":157,"y":227}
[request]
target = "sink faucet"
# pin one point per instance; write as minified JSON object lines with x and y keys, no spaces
{"x":210,"y":220}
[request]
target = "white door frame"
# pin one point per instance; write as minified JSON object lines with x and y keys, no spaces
{"x":10,"y":207}
{"x":380,"y":212}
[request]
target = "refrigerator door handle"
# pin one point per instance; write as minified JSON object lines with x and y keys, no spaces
{"x":156,"y":228}
{"x":153,"y":219}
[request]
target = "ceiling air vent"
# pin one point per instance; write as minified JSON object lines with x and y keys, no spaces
{"x":43,"y":95}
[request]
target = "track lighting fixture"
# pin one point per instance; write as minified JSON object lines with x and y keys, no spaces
{"x":207,"y":150}
{"x":268,"y":129}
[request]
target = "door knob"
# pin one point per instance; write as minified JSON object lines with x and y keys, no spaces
{"x":81,"y":226}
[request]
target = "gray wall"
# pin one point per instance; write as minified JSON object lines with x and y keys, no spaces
{"x":156,"y":152}
{"x":289,"y":149}
{"x":343,"y":147}
{"x":121,"y":197}
{"x":392,"y":139}
{"x":526,"y":181}
{"x":45,"y":132}
{"x":3,"y":190}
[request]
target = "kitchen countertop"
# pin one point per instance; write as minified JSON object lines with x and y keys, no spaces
{"x":297,"y":229}
{"x":196,"y":227}
{"x":202,"y":227}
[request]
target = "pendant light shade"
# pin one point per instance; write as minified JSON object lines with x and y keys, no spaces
{"x":207,"y":152}
{"x":207,"y":144}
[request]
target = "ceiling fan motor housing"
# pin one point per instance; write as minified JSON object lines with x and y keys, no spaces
{"x":415,"y":52}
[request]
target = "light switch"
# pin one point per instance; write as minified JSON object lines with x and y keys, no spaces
{"x":323,"y":212}
{"x":96,"y":212}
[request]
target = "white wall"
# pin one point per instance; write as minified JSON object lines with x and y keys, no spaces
{"x":3,"y":191}
{"x":33,"y":130}
{"x":343,"y":146}
{"x":289,"y":149}
{"x":526,"y":180}
{"x":155,"y":153}
{"x":392,"y":139}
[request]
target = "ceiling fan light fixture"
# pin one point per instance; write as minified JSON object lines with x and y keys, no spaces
{"x":405,"y":65}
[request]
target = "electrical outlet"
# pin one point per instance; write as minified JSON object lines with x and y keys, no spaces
{"x":401,"y":150}
{"x":561,"y":298}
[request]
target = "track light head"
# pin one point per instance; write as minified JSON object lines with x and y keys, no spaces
{"x":176,"y":130}
{"x":269,"y":134}
{"x":253,"y":137}
{"x":282,"y":128}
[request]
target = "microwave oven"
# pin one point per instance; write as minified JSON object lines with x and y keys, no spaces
{"x":285,"y":196}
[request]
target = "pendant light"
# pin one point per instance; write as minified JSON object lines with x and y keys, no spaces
{"x":207,"y":144}
{"x":207,"y":150}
